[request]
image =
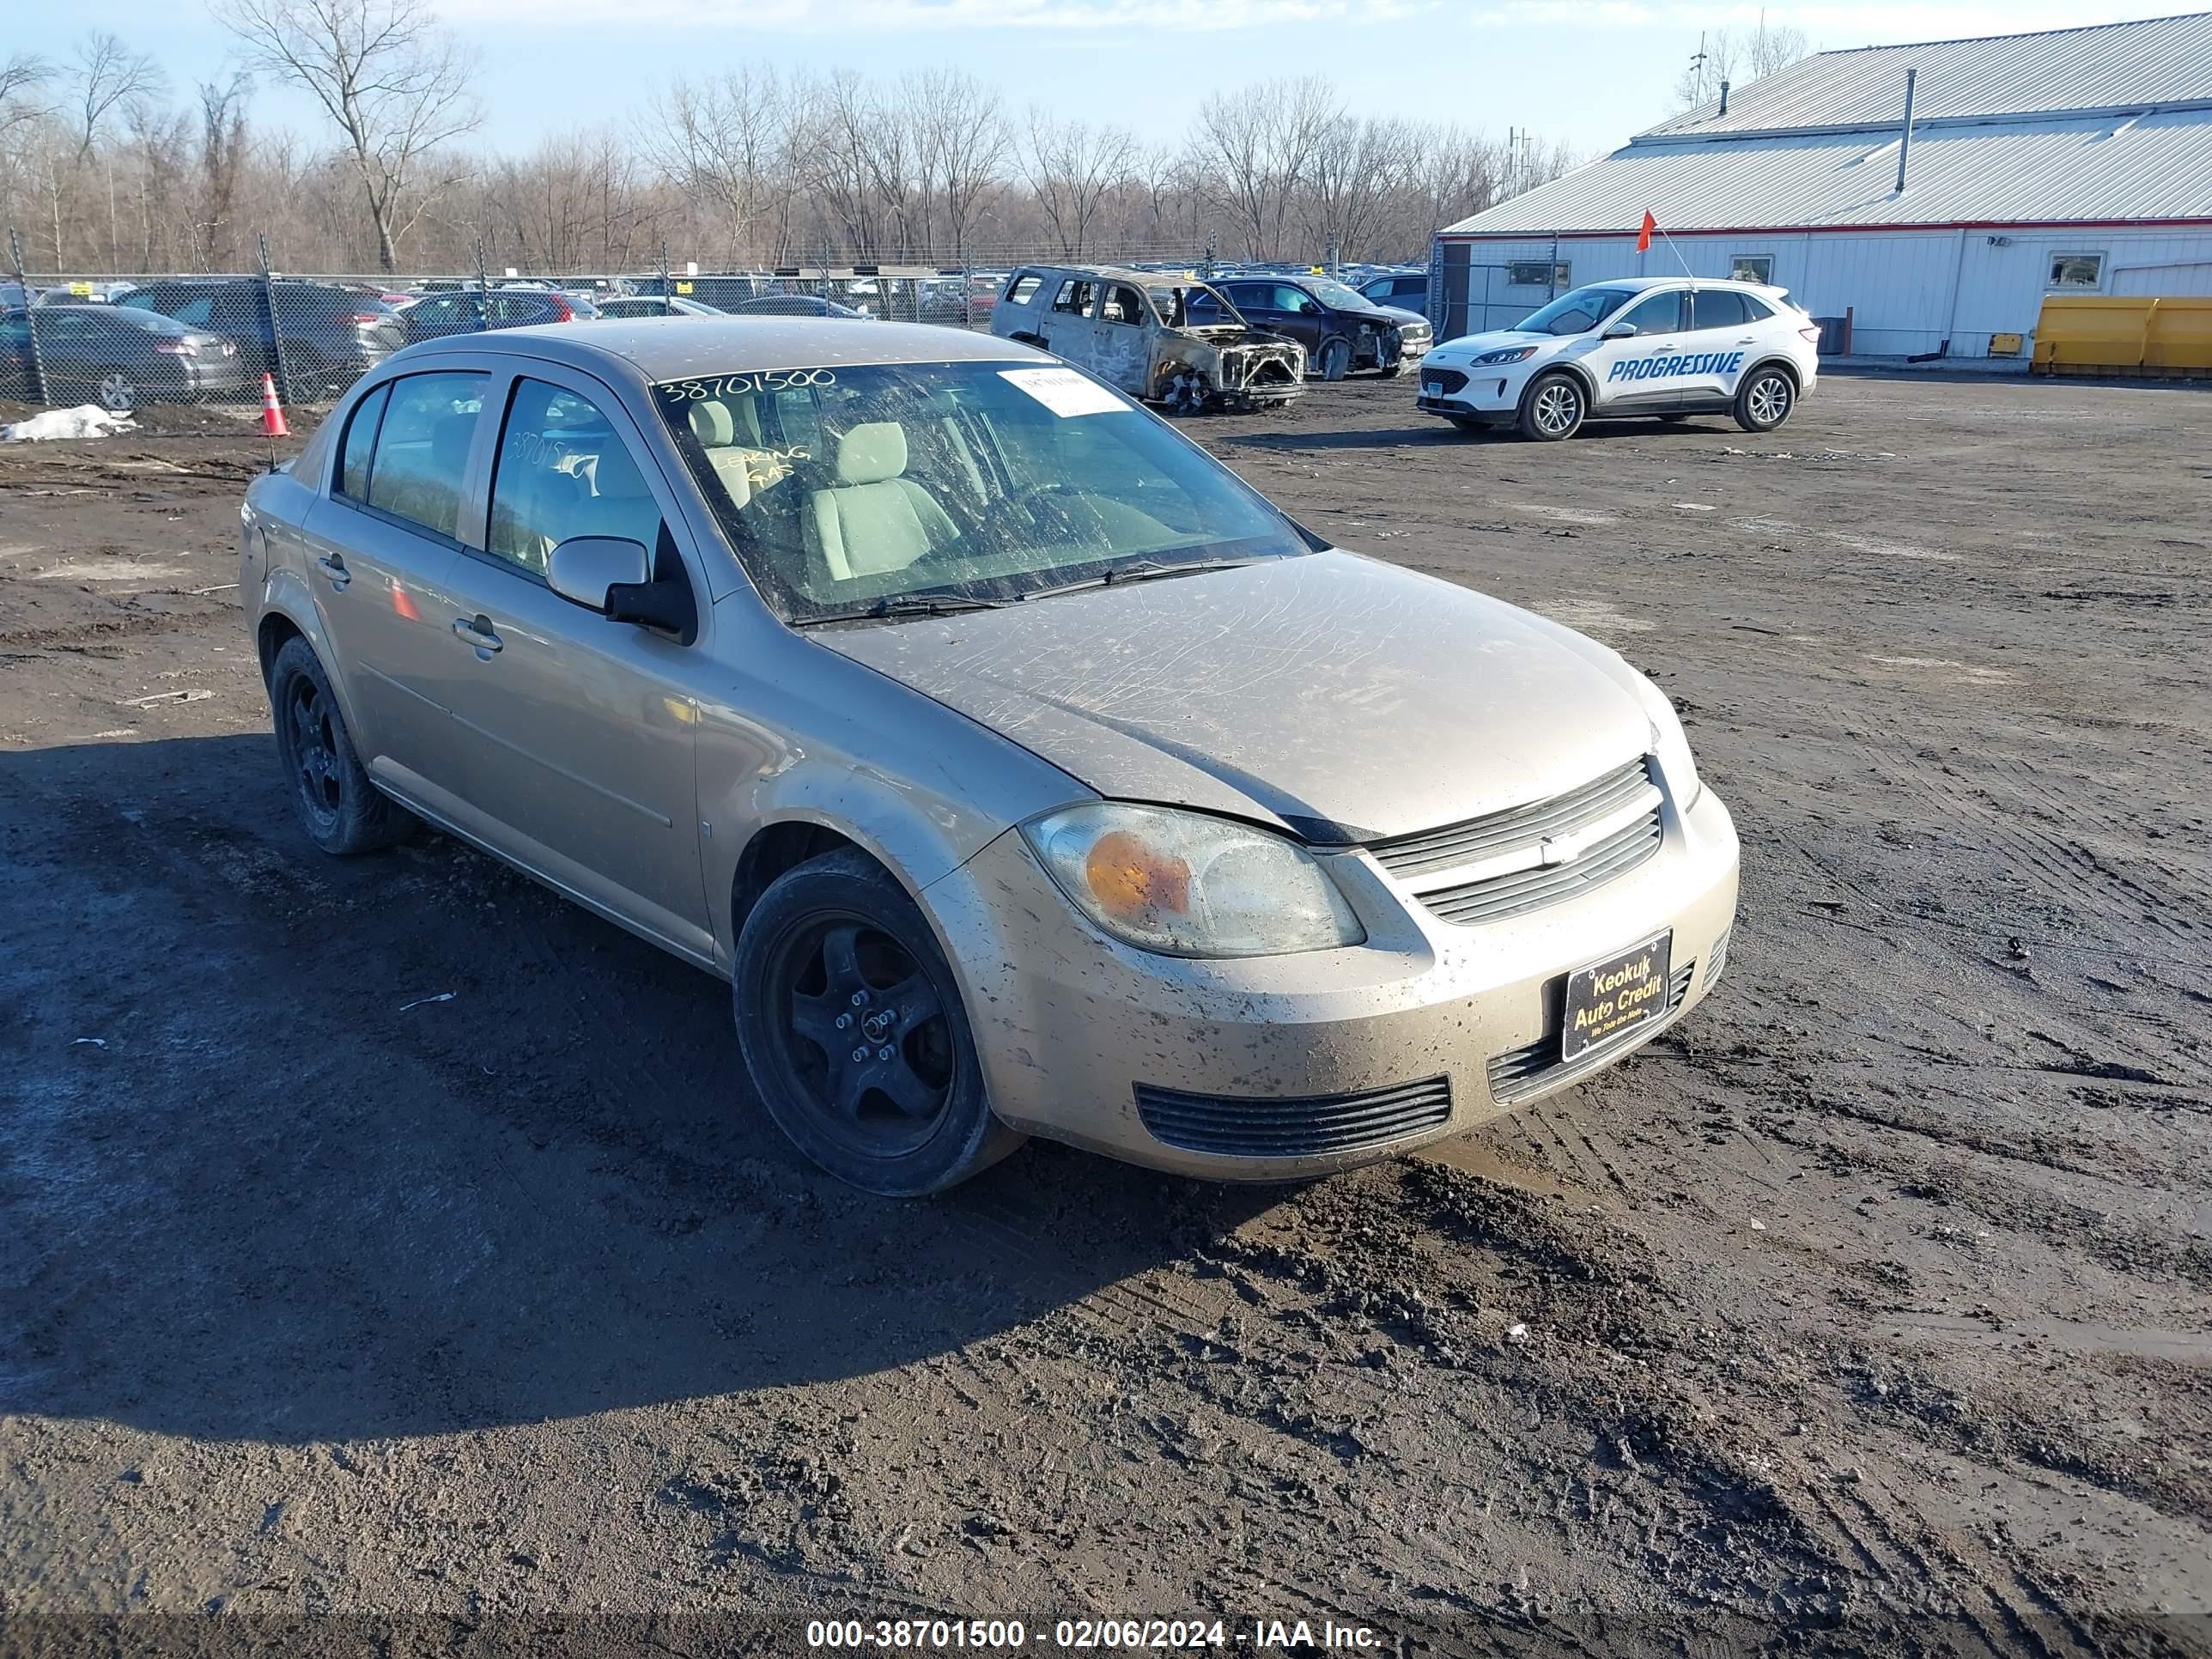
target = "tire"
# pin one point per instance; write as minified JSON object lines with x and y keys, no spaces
{"x":1185,"y":393}
{"x":1764,"y":400}
{"x":837,"y":940}
{"x":1554,"y":408}
{"x":1336,"y":360}
{"x":116,"y":392}
{"x":343,"y":812}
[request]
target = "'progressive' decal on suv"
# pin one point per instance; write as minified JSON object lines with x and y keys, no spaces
{"x":1652,"y":368}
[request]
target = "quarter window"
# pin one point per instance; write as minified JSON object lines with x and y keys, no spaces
{"x":1752,"y":267}
{"x":1023,"y":289}
{"x":360,"y":442}
{"x":423,"y":449}
{"x":1540,"y":273}
{"x":2076,"y":271}
{"x":564,"y":471}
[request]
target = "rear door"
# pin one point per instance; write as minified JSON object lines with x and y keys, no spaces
{"x":576,"y":731}
{"x":1124,"y":349}
{"x":380,"y":543}
{"x":1723,"y":336}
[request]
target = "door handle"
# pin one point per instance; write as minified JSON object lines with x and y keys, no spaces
{"x":334,"y":568}
{"x":477,"y":631}
{"x":1748,"y":339}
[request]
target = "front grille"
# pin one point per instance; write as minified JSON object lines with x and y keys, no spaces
{"x":1291,"y":1126}
{"x":1535,"y":1066}
{"x":1524,"y":828}
{"x":1446,"y":380}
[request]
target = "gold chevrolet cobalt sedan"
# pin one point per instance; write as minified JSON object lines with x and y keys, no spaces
{"x":1023,"y":770}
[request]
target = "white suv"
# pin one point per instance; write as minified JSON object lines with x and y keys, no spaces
{"x":1668,"y":346}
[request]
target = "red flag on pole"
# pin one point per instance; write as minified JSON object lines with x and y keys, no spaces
{"x":1643,"y":235}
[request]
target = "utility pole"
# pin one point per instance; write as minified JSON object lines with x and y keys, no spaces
{"x":1697,"y":68}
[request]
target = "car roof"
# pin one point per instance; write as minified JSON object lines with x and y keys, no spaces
{"x":1639,"y":283}
{"x":655,"y":348}
{"x":1129,"y":274}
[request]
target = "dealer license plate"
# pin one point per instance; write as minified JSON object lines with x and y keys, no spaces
{"x":1622,"y":991}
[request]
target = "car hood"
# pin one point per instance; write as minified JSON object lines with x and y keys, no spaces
{"x":1397,"y":314}
{"x":1474,"y":345}
{"x":1345,"y":699}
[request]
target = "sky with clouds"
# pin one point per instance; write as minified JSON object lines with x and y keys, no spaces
{"x":1589,"y":71}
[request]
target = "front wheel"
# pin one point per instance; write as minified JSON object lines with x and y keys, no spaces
{"x":341,"y":811}
{"x":118,"y":393}
{"x":854,"y":1036}
{"x":1336,"y":360}
{"x":1554,"y":408}
{"x":1764,"y":400}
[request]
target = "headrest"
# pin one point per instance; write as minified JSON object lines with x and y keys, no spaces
{"x":870,"y":453}
{"x":450,"y":438}
{"x":712,"y":426}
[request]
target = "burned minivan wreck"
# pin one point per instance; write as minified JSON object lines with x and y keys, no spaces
{"x":1136,"y":328}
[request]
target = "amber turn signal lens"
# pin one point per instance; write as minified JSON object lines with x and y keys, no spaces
{"x":1128,"y":878}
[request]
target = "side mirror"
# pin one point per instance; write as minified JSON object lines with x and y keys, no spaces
{"x":1621,"y":331}
{"x":583,"y":567}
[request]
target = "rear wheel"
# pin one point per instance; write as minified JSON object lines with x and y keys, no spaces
{"x":1764,"y":400}
{"x":853,"y":1034}
{"x":341,"y":810}
{"x":1554,"y":408}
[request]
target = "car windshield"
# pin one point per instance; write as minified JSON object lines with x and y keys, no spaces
{"x":1336,"y":295}
{"x":1577,"y":312}
{"x":849,"y":490}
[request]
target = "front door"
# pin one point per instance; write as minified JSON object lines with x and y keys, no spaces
{"x":578,"y":731}
{"x":379,"y":546}
{"x":1651,"y":368}
{"x":1123,"y":353}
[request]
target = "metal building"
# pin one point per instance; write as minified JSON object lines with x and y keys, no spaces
{"x":1931,"y":193}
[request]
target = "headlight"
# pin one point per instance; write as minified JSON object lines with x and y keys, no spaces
{"x":1187,"y":886}
{"x":1510,"y":355}
{"x":1672,"y":747}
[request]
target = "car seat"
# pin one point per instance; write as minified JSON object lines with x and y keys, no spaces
{"x":875,"y":518}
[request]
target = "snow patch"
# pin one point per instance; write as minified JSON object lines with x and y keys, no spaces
{"x":85,"y":421}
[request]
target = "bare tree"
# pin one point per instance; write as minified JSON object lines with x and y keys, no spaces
{"x":1737,"y":60}
{"x":1357,"y":169}
{"x":963,"y":143}
{"x":221,"y":158}
{"x":21,"y":76}
{"x":103,"y":76}
{"x":730,"y":141}
{"x":393,"y":81}
{"x":1071,"y":167}
{"x":1257,"y":145}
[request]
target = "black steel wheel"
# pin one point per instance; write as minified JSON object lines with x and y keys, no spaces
{"x":341,"y":810}
{"x":853,"y":1031}
{"x":1185,"y":392}
{"x":1336,"y":360}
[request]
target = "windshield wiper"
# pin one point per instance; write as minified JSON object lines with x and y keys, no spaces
{"x":1143,"y":570}
{"x":903,"y":605}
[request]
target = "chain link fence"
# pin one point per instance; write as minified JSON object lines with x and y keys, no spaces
{"x":123,"y":342}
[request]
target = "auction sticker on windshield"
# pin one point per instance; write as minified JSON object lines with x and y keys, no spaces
{"x":1064,"y":391}
{"x":1610,"y":997}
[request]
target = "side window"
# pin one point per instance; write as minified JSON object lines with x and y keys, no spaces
{"x":564,"y":471}
{"x":1662,"y":313}
{"x":1074,"y":298}
{"x":422,"y":448}
{"x":1023,"y":289}
{"x":1123,"y":305}
{"x":194,"y":313}
{"x":2075,"y":270}
{"x":360,"y":442}
{"x":1722,"y":308}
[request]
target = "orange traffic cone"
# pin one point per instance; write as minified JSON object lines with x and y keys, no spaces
{"x":272,"y":412}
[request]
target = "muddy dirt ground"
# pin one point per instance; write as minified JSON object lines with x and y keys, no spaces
{"x":1871,"y":1308}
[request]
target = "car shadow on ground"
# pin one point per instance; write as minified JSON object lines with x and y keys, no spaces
{"x":300,"y":1149}
{"x":1440,"y":435}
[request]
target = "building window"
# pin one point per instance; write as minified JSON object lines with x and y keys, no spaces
{"x":2076,"y":271}
{"x":1540,"y":273}
{"x":1752,"y":267}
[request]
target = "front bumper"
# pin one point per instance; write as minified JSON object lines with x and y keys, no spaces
{"x":1073,"y":1031}
{"x":1462,"y":391}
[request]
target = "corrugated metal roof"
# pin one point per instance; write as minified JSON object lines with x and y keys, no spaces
{"x":2149,"y":166}
{"x":2160,"y":60}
